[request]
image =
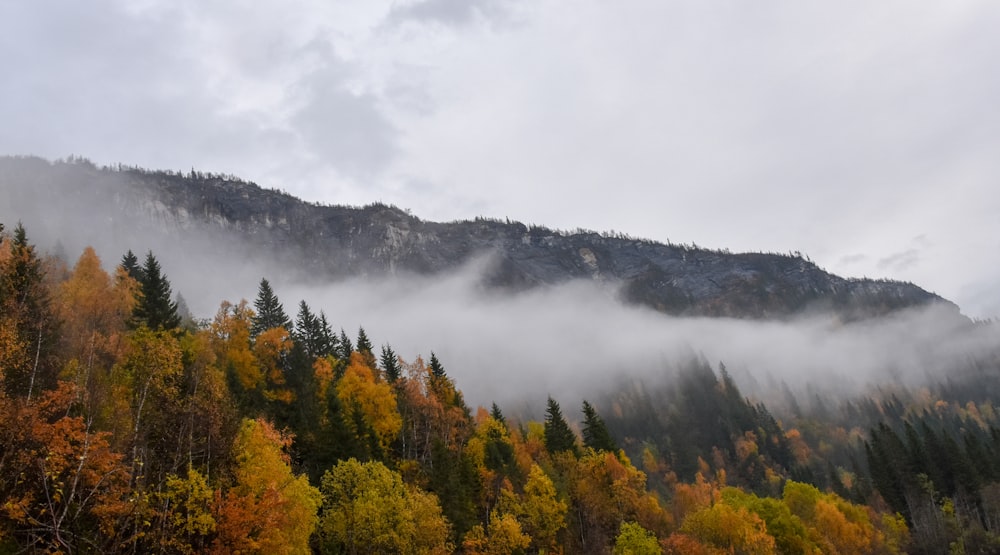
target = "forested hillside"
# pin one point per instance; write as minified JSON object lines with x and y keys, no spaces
{"x":177,"y":211}
{"x":127,"y":425}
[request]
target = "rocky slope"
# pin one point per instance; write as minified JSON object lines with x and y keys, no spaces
{"x":331,"y":242}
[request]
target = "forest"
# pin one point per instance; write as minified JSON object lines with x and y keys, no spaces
{"x":128,"y":426}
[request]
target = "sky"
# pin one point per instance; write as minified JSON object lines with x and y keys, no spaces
{"x":862,"y":134}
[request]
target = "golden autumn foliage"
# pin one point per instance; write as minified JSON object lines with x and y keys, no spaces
{"x":502,"y":536}
{"x":735,"y":530}
{"x":270,"y":348}
{"x":65,"y":488}
{"x":542,"y":513}
{"x":231,"y":340}
{"x":633,"y":539}
{"x":374,"y":401}
{"x":268,"y":509}
{"x":368,"y":509}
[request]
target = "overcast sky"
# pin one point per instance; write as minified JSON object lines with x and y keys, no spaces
{"x":864,"y":134}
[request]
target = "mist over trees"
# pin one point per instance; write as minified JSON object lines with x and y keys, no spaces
{"x":125,"y":429}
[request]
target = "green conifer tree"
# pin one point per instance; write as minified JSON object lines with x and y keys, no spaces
{"x":595,"y":432}
{"x":130,"y":263}
{"x":270,"y":313}
{"x":390,"y":364}
{"x":558,"y":436}
{"x":437,"y":369}
{"x":497,"y":415}
{"x":154,"y":308}
{"x":346,"y":347}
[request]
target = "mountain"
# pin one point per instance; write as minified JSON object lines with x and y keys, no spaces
{"x":335,"y":242}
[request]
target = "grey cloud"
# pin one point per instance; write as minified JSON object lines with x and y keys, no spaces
{"x":900,"y":261}
{"x":342,"y":127}
{"x":449,"y":12}
{"x":574,"y":340}
{"x":852,"y":259}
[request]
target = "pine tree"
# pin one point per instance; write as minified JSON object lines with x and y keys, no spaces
{"x":558,"y":436}
{"x":270,"y":313}
{"x":365,"y":348}
{"x":309,"y":332}
{"x":155,"y":308}
{"x":364,"y":345}
{"x":595,"y":432}
{"x":346,"y":347}
{"x":130,"y":263}
{"x":390,"y":364}
{"x":497,"y":415}
{"x":328,"y":339}
{"x":437,"y":369}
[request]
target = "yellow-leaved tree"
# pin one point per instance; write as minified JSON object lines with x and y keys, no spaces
{"x":368,"y":509}
{"x":368,"y":400}
{"x":268,"y":509}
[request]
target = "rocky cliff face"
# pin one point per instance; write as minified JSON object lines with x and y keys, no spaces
{"x":332,"y":242}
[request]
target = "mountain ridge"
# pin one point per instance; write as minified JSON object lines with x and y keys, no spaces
{"x":334,"y":242}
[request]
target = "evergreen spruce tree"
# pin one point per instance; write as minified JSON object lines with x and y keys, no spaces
{"x":270,"y":313}
{"x":558,"y":436}
{"x":364,"y":345}
{"x":437,"y":369}
{"x":390,"y":364}
{"x":595,"y":432}
{"x":130,"y":263}
{"x":154,"y":308}
{"x":328,"y":339}
{"x":346,"y":347}
{"x":497,"y":415}
{"x":312,"y":333}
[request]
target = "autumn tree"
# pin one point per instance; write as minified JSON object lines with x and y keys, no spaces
{"x":733,"y":530}
{"x":633,"y":539}
{"x":27,"y":322}
{"x":501,"y":536}
{"x":268,"y":509}
{"x":606,"y":491}
{"x":94,"y":310}
{"x":62,"y":487}
{"x":368,"y":509}
{"x":369,"y":403}
{"x":541,"y":512}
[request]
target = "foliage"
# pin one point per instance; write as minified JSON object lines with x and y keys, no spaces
{"x":368,"y":509}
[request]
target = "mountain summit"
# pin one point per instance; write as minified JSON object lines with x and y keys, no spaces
{"x":336,"y":242}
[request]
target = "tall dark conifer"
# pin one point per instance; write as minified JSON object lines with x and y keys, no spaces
{"x":595,"y":432}
{"x":155,"y":308}
{"x":558,"y":436}
{"x":270,"y":313}
{"x":130,"y":263}
{"x":346,"y":347}
{"x":497,"y":415}
{"x":313,"y":333}
{"x":390,"y":364}
{"x":437,"y":369}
